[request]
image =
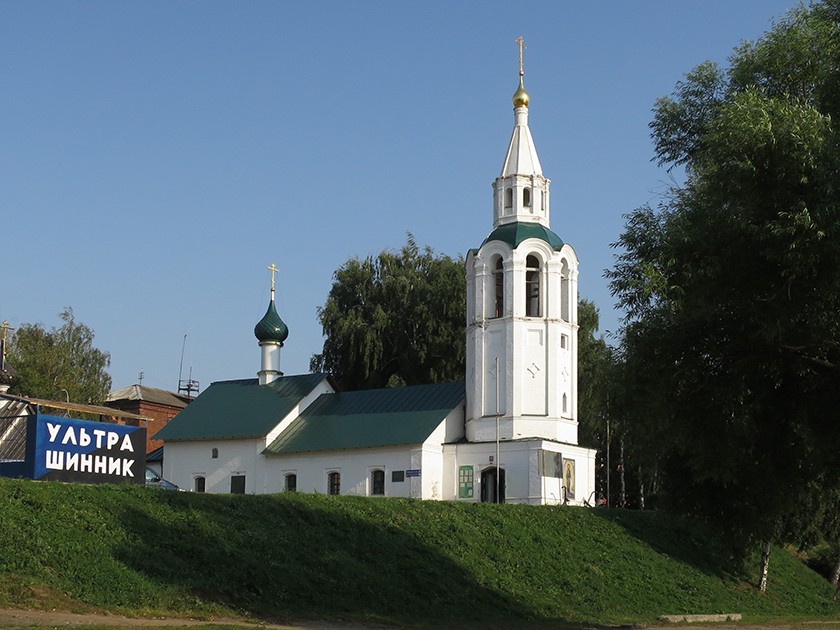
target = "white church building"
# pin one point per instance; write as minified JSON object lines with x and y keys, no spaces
{"x":509,"y":433}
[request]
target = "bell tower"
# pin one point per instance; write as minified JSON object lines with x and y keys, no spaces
{"x":522,"y":306}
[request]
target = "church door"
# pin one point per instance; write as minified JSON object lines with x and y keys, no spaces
{"x":488,"y":486}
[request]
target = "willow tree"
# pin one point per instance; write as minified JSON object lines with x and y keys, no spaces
{"x":397,"y":318}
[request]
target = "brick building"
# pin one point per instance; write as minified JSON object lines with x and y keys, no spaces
{"x":158,"y":404}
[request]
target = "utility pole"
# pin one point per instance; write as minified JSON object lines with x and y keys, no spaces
{"x":498,"y":463}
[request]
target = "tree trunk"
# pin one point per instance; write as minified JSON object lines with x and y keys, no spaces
{"x":641,"y":489}
{"x":622,"y":497}
{"x":609,"y":470}
{"x":765,"y":563}
{"x":835,"y":574}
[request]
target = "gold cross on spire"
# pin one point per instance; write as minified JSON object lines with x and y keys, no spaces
{"x":522,"y":47}
{"x":273,"y":269}
{"x":4,"y":328}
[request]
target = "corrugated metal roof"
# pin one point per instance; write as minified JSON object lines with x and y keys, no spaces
{"x":98,"y":410}
{"x":13,"y":415}
{"x":370,"y":418}
{"x":239,"y":409}
{"x":149,"y":394}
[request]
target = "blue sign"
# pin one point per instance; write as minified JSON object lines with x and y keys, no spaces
{"x":67,"y":449}
{"x":414,"y":472}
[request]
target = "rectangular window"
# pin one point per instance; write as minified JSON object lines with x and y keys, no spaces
{"x":564,"y":341}
{"x":334,"y":483}
{"x":466,"y":484}
{"x":397,"y":476}
{"x":237,"y":484}
{"x":551,"y":464}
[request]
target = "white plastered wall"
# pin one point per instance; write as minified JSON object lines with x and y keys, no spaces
{"x":520,"y":460}
{"x":354,"y":466}
{"x":184,"y":461}
{"x":357,"y":465}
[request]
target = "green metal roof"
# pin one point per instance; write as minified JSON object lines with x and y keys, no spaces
{"x":514,"y":233}
{"x":370,"y":418}
{"x":239,"y":409}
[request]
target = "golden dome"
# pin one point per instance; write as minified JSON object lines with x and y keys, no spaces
{"x":520,"y":97}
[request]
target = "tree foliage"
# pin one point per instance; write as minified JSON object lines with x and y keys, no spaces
{"x":595,"y":362}
{"x":59,"y":362}
{"x":732,"y":285}
{"x":395,"y":319}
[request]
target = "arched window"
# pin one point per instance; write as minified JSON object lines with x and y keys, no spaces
{"x":214,"y":453}
{"x":198,"y":484}
{"x":498,"y":288}
{"x":334,"y":483}
{"x":565,"y":404}
{"x":532,"y":286}
{"x":291,"y":482}
{"x":508,"y":197}
{"x":377,"y":483}
{"x":564,"y":291}
{"x":526,"y":197}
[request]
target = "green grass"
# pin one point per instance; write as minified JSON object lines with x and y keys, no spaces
{"x":293,"y":556}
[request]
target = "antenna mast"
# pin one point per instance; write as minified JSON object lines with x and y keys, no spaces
{"x":188,"y":386}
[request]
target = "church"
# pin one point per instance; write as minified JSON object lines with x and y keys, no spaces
{"x":508,"y":433}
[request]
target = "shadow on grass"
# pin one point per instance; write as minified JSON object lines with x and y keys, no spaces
{"x":678,"y":538}
{"x":285,"y":557}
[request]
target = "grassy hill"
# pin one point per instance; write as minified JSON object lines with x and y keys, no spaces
{"x":292,"y":556}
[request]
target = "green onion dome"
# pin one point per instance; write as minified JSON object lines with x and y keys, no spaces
{"x":271,"y":328}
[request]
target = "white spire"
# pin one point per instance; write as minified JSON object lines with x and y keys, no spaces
{"x":521,"y":158}
{"x":521,"y":192}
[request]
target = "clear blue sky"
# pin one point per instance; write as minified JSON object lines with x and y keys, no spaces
{"x":156,"y":156}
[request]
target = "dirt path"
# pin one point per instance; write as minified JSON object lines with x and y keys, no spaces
{"x":56,"y":619}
